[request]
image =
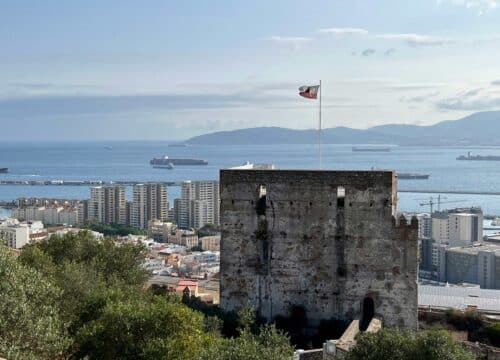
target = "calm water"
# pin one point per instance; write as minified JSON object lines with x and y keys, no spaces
{"x":130,"y":161}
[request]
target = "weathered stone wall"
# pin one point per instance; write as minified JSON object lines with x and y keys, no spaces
{"x":302,"y":245}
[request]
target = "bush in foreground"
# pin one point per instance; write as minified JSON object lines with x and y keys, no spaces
{"x":400,"y":345}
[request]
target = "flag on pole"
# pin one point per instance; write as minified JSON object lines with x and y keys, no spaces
{"x":309,"y":92}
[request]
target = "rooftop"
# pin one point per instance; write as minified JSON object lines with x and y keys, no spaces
{"x":476,"y":248}
{"x":444,"y":297}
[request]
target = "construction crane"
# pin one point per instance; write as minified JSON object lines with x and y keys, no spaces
{"x":432,"y":202}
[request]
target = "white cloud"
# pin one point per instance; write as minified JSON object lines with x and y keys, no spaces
{"x":477,"y":99}
{"x":343,"y":31}
{"x":368,"y":52}
{"x":294,"y":41}
{"x":389,"y":52}
{"x":479,"y":5}
{"x":416,"y":40}
{"x":419,"y":98}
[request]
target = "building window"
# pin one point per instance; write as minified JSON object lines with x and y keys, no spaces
{"x":262,"y":191}
{"x":340,"y":196}
{"x":261,"y":202}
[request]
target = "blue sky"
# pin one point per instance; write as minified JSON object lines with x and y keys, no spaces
{"x":174,"y":69}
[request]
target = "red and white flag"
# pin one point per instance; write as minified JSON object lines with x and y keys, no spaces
{"x":310,"y":92}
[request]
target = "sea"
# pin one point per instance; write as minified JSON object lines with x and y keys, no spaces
{"x":129,"y":160}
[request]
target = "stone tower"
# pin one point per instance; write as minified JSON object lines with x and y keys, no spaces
{"x":323,"y":240}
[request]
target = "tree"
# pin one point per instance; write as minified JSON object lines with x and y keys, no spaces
{"x":114,"y":263}
{"x":400,"y":345}
{"x":253,"y":343}
{"x":141,"y":329}
{"x":113,"y":229}
{"x":87,"y":270}
{"x":30,"y":325}
{"x":208,"y":230}
{"x":268,"y":344}
{"x":492,"y":333}
{"x":101,"y":299}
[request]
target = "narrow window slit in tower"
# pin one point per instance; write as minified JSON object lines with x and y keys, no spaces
{"x":340,"y":196}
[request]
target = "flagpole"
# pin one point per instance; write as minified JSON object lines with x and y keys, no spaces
{"x":319,"y":132}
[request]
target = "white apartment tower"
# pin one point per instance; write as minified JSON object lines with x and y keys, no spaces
{"x":149,"y":203}
{"x":458,"y":227}
{"x":199,"y":204}
{"x":96,"y":204}
{"x":107,"y":205}
{"x":465,"y":228}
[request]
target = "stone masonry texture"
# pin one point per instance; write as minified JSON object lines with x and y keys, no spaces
{"x":326,"y":241}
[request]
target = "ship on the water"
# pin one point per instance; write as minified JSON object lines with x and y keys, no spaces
{"x":177,"y":145}
{"x":168,"y":166}
{"x":469,"y":156}
{"x":370,"y":149}
{"x":251,"y":166}
{"x":4,"y":170}
{"x":411,"y":176}
{"x":168,"y":163}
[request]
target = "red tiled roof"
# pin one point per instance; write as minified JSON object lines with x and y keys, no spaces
{"x":187,"y":283}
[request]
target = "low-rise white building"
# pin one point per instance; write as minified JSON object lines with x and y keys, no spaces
{"x":14,"y":235}
{"x":49,"y":215}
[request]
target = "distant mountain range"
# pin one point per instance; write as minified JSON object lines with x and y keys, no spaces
{"x":481,"y":128}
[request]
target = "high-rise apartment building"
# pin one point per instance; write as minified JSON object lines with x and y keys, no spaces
{"x":450,"y":228}
{"x":107,"y":205}
{"x":458,"y":227}
{"x":149,"y":203}
{"x":424,"y":226}
{"x":96,"y":204}
{"x":199,"y":204}
{"x":83,"y":211}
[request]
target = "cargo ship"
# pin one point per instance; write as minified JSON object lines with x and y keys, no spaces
{"x":4,"y":170}
{"x":251,"y":166}
{"x":370,"y":149}
{"x":410,"y":176}
{"x":177,"y":145}
{"x":479,"y":157}
{"x":168,"y":163}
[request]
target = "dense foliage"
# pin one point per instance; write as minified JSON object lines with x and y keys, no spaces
{"x":398,"y":345}
{"x":30,"y":324}
{"x":113,"y":229}
{"x":492,"y":333}
{"x":469,"y":320}
{"x":74,"y":296}
{"x":208,"y":230}
{"x":77,"y":297}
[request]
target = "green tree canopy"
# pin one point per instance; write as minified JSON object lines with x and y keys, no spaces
{"x":111,"y":261}
{"x":30,"y":325}
{"x":141,"y":328}
{"x":113,"y":229}
{"x":400,"y":345}
{"x":91,"y":303}
{"x":85,"y":269}
{"x":268,"y":344}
